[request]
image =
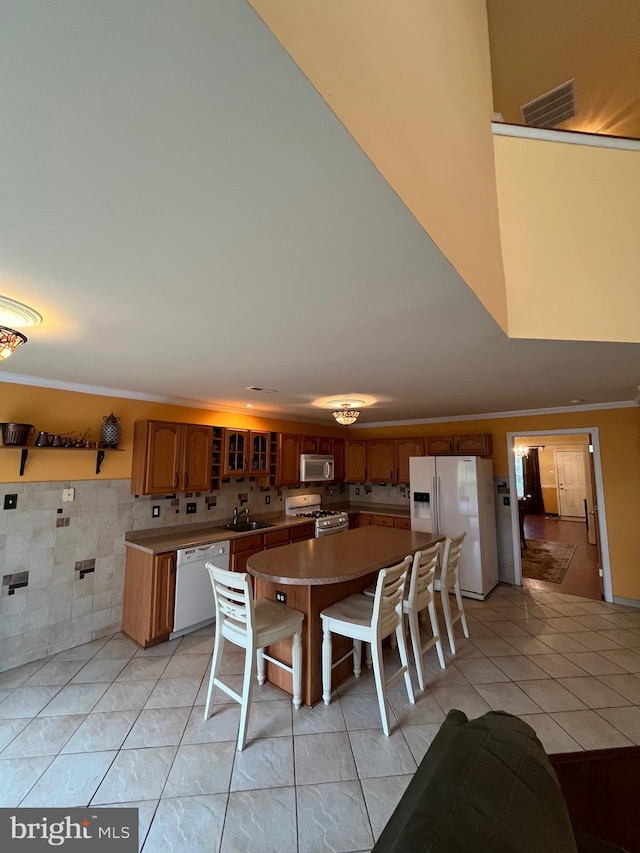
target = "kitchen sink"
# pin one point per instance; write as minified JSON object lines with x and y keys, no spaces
{"x":244,"y":527}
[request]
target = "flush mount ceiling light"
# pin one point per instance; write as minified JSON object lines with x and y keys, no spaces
{"x":15,"y":315}
{"x":347,"y":414}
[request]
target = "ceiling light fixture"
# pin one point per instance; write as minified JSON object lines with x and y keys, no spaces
{"x":521,"y":451}
{"x":14,"y":315}
{"x":10,"y":340}
{"x":347,"y":414}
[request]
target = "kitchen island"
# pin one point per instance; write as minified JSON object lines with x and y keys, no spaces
{"x":318,"y":572}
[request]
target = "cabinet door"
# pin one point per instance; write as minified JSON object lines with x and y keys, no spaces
{"x":440,"y":445}
{"x":239,"y":561}
{"x":288,"y":459}
{"x":163,"y":448}
{"x":383,"y":520}
{"x":325,"y":446}
{"x":309,"y":444}
{"x":402,"y":523}
{"x":197,"y":450}
{"x":476,"y":445}
{"x":303,"y":531}
{"x":404,"y":449}
{"x":355,"y":454}
{"x":235,"y":452}
{"x":380,"y":466}
{"x":338,"y":459}
{"x":258,"y":453}
{"x":163,"y":596}
{"x":365,"y":519}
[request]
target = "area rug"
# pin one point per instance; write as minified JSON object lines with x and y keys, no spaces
{"x":546,"y":561}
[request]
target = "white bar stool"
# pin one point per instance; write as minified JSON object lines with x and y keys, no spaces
{"x":369,"y":620}
{"x":450,"y":583}
{"x":418,"y":598}
{"x":252,"y":625}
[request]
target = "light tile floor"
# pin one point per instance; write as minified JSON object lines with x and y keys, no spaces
{"x":110,"y":724}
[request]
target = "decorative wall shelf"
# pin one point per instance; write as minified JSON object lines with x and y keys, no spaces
{"x":100,"y":452}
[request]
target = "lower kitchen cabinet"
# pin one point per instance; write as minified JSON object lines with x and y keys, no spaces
{"x":245,"y":546}
{"x":148,"y":597}
{"x":380,"y":520}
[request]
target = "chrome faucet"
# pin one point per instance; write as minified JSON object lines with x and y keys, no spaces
{"x":236,"y":514}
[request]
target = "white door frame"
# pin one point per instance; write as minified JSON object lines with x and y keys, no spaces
{"x":599,"y":500}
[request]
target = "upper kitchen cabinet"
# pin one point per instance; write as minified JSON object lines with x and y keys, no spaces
{"x":288,"y":469}
{"x":388,"y":458}
{"x":325,"y":446}
{"x":460,"y":445}
{"x":337,"y":449}
{"x":404,"y":449}
{"x":355,"y":460}
{"x":380,"y":460}
{"x":246,"y":453}
{"x":170,"y":457}
{"x":309,"y":444}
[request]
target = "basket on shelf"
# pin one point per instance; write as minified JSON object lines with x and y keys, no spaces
{"x":16,"y":435}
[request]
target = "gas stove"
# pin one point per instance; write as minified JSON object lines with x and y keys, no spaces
{"x":327,"y":520}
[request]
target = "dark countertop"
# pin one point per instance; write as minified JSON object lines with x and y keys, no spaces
{"x":334,"y":559}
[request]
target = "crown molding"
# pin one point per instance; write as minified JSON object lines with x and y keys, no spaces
{"x":570,"y":137}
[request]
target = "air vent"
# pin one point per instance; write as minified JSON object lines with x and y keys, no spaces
{"x":551,"y":109}
{"x":264,"y":390}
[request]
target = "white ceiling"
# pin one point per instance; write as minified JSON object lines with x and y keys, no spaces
{"x":191,"y":219}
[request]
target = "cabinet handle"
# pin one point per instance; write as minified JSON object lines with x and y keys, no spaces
{"x":175,"y":482}
{"x":186,"y":479}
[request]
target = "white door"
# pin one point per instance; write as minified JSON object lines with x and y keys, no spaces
{"x":572,"y":490}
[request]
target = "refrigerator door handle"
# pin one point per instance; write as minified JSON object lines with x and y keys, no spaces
{"x":434,"y":508}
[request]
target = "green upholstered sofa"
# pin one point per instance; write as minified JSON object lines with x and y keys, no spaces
{"x":484,"y":786}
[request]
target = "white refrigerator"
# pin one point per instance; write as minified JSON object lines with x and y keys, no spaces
{"x":451,"y":494}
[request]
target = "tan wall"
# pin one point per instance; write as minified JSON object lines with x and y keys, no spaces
{"x":619,"y":431}
{"x":539,"y":44}
{"x":411,"y":82}
{"x":65,"y":411}
{"x":570,"y":220}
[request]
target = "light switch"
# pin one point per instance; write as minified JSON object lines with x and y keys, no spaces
{"x":68,"y":495}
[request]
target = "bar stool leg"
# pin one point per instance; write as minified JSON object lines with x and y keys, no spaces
{"x":326,"y":665}
{"x":381,"y":689}
{"x":357,"y":658}
{"x":260,"y":660}
{"x":247,"y":687}
{"x":296,"y":666}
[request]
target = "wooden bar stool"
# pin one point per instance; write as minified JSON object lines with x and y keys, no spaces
{"x":252,"y":625}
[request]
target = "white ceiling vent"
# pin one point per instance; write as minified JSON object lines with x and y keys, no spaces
{"x":552,"y":108}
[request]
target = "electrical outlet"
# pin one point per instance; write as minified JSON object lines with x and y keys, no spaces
{"x":191,"y":508}
{"x":281,"y":596}
{"x":10,"y":501}
{"x":330,"y":493}
{"x":155,"y":512}
{"x":68,"y":495}
{"x":357,"y":492}
{"x":506,"y":501}
{"x":267,"y":499}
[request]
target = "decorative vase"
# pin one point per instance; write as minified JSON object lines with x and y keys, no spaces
{"x":110,"y":432}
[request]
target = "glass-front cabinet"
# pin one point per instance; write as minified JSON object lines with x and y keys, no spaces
{"x":235,"y":452}
{"x":259,"y":452}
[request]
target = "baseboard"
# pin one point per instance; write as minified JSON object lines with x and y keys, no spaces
{"x":629,"y":602}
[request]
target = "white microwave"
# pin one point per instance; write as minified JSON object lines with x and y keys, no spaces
{"x":314,"y":467}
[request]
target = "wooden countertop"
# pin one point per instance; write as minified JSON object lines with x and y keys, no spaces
{"x":334,"y":559}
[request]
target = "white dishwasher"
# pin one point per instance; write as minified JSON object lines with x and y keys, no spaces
{"x":194,"y":604}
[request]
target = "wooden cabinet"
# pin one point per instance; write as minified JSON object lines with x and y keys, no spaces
{"x":404,"y":449}
{"x":325,"y":446}
{"x":148,"y":597}
{"x":170,"y":457}
{"x":380,"y":460}
{"x":338,"y":459}
{"x":460,"y":445}
{"x":246,"y":453}
{"x":476,"y":445}
{"x":355,"y":461}
{"x":242,"y":548}
{"x":245,"y":546}
{"x":303,"y":531}
{"x":384,"y":520}
{"x":367,"y":518}
{"x":388,"y":458}
{"x":402,"y":523}
{"x":288,"y":469}
{"x":308,"y":444}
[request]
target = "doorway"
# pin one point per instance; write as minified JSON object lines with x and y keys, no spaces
{"x":563,"y":472}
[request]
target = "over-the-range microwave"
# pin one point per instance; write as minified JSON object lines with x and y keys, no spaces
{"x":314,"y":467}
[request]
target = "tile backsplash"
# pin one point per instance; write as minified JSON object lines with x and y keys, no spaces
{"x":62,"y":563}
